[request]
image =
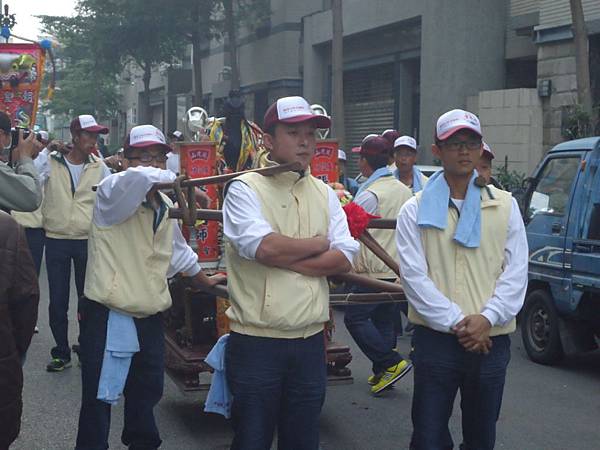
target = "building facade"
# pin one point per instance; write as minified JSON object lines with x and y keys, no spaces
{"x":405,"y":63}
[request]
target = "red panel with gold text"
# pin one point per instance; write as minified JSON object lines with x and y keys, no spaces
{"x":325,"y":162}
{"x":199,"y":160}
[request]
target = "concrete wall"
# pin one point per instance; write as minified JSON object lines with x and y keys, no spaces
{"x":286,"y":11}
{"x":459,"y":56}
{"x":273,"y":58}
{"x":512,"y":126}
{"x":556,"y":62}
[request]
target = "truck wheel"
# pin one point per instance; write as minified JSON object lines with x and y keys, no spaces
{"x":539,"y":329}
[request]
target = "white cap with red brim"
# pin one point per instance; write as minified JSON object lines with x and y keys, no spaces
{"x":87,"y":122}
{"x":146,"y":136}
{"x":293,"y":109}
{"x":406,"y":141}
{"x":454,"y":121}
{"x":487,"y":150}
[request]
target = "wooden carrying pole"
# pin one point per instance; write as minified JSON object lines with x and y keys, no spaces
{"x":219,"y":179}
{"x":216,"y":214}
{"x":382,"y":224}
{"x":369,"y":241}
{"x":390,"y":292}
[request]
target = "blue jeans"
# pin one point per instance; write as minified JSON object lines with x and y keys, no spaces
{"x":441,"y":368}
{"x":35,"y":240}
{"x":373,"y":328}
{"x":143,"y":389}
{"x":276,"y":383}
{"x":59,"y":254}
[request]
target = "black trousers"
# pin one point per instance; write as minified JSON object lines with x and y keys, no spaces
{"x":143,"y":389}
{"x":276,"y":384}
{"x":442,"y":367}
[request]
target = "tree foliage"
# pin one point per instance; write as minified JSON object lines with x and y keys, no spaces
{"x":106,"y":36}
{"x":578,"y":123}
{"x":86,"y":82}
{"x":511,"y":180}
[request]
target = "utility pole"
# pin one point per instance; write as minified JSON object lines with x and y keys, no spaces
{"x":582,"y":62}
{"x":196,"y":39}
{"x":231,"y":34}
{"x":337,"y":68}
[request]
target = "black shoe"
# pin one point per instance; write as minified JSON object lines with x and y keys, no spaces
{"x":58,"y":365}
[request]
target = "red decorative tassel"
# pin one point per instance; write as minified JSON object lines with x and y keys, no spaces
{"x":358,"y":219}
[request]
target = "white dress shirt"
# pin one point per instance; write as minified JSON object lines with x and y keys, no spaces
{"x":436,"y":309}
{"x":42,"y":166}
{"x":245,"y":226}
{"x":120,"y":195}
{"x":173,"y":162}
{"x":367,"y":201}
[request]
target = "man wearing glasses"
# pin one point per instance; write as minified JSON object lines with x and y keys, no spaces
{"x":463,"y":259}
{"x":67,"y":215}
{"x":134,"y":248}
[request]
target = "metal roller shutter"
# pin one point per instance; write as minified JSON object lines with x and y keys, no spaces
{"x":368,"y":105}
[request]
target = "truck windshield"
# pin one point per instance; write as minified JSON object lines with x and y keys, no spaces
{"x":551,"y":195}
{"x":592,"y":220}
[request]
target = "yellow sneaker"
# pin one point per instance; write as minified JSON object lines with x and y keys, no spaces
{"x":374,"y":379}
{"x":391,"y":375}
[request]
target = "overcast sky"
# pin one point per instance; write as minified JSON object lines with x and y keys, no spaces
{"x":25,"y":10}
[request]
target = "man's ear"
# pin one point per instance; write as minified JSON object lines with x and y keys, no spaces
{"x":437,"y":152}
{"x":268,"y":141}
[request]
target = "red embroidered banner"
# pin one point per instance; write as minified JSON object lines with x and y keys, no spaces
{"x":21,"y":72}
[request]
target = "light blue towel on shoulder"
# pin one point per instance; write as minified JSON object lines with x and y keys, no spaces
{"x":121,"y":344}
{"x":433,"y":210}
{"x":379,"y":173}
{"x":417,"y":180}
{"x":219,"y":397}
{"x":417,"y":184}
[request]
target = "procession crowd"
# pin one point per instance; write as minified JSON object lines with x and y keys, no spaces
{"x":459,"y":243}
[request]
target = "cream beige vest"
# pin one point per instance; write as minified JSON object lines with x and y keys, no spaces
{"x":66,"y":209}
{"x":128,"y":263}
{"x":467,"y":276}
{"x":273,"y":302}
{"x":391,"y":195}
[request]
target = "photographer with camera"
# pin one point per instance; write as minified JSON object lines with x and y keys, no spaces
{"x":33,"y":221}
{"x":19,"y":185}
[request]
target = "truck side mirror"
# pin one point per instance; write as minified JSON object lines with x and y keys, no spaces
{"x":527,"y":183}
{"x":523,"y":195}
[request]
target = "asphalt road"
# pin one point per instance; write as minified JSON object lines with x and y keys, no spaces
{"x":545,"y":408}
